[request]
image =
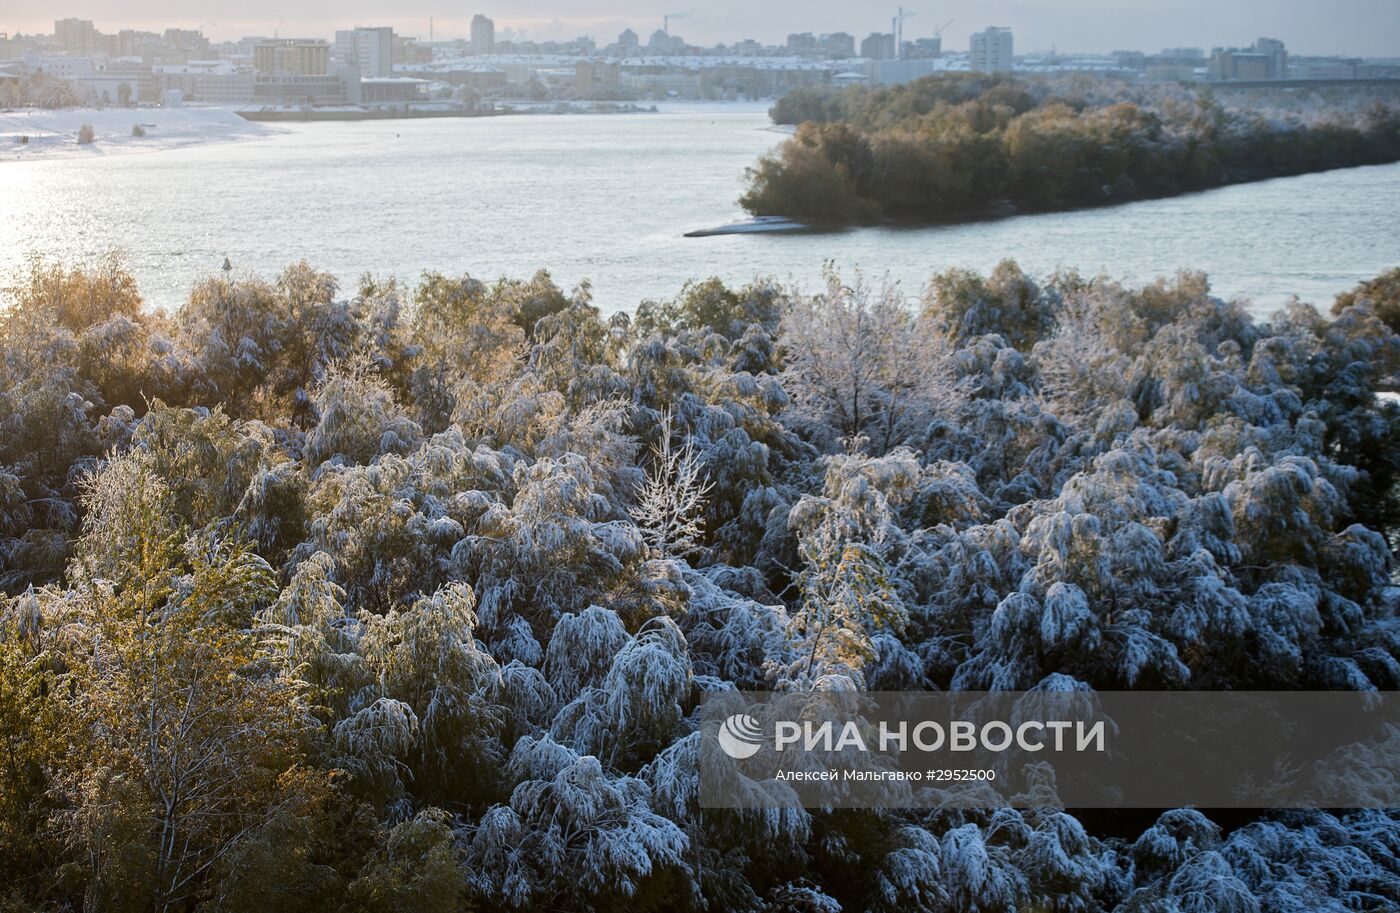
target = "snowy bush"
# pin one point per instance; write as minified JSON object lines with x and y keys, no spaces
{"x":442,"y":575}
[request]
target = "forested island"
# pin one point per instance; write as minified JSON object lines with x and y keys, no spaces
{"x":956,"y":147}
{"x":403,"y":598}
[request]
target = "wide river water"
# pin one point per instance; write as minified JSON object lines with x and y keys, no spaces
{"x":607,"y":198}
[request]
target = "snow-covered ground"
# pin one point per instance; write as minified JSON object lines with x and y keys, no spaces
{"x":55,"y":133}
{"x":755,"y":225}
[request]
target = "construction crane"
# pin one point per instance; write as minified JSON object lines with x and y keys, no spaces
{"x":938,"y":34}
{"x":666,"y":20}
{"x":897,"y":26}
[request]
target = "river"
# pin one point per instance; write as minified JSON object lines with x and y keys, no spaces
{"x":607,"y":198}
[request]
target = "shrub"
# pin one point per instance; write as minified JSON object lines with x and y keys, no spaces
{"x":138,"y":130}
{"x":85,"y":135}
{"x":1383,"y":292}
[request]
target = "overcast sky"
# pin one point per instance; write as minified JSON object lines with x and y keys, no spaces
{"x":1358,"y":27}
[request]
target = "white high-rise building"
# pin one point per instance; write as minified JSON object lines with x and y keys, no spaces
{"x":370,"y":49}
{"x":991,"y":51}
{"x":483,"y":34}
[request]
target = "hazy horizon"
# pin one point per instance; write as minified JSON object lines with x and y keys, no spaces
{"x":1352,"y":27}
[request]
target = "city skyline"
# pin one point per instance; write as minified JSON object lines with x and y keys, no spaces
{"x":1355,"y":27}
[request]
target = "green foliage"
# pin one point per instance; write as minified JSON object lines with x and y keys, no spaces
{"x":963,"y":305}
{"x":414,"y":868}
{"x":711,"y":306}
{"x":957,"y":146}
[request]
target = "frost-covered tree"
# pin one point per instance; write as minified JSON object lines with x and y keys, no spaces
{"x":670,"y":503}
{"x":266,"y":643}
{"x":847,"y":544}
{"x":1081,"y":372}
{"x":573,"y":836}
{"x":358,"y":418}
{"x":859,"y":365}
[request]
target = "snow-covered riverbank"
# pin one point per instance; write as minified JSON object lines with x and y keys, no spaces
{"x":55,"y":133}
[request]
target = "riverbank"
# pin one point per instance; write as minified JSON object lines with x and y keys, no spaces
{"x":301,"y":114}
{"x":32,"y":133}
{"x":607,"y":198}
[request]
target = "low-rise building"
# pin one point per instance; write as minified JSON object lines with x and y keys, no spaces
{"x":104,"y":88}
{"x":296,"y":89}
{"x":393,"y":90}
{"x":59,"y":67}
{"x":1324,"y":67}
{"x":212,"y":82}
{"x":897,"y":72}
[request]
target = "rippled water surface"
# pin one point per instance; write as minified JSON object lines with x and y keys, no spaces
{"x":607,"y":198}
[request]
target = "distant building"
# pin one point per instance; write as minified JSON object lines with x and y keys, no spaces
{"x":298,"y":89}
{"x":924,"y":47}
{"x":992,"y":51}
{"x":1324,"y":67}
{"x":839,"y":44}
{"x":596,"y":77}
{"x":665,"y":44}
{"x":292,"y":56}
{"x":1175,"y":64}
{"x":370,"y":49}
{"x":58,"y":67}
{"x":109,"y":88}
{"x":879,"y":46}
{"x":483,"y":35}
{"x":1228,"y":64}
{"x":76,"y":36}
{"x":393,"y":90}
{"x":215,"y":82}
{"x":409,"y":51}
{"x":1130,"y":60}
{"x":1265,"y":59}
{"x":190,"y":42}
{"x":90,"y":78}
{"x":897,"y":72}
{"x":1274,"y":50}
{"x":628,"y":44}
{"x":805,"y":41}
{"x":134,"y":43}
